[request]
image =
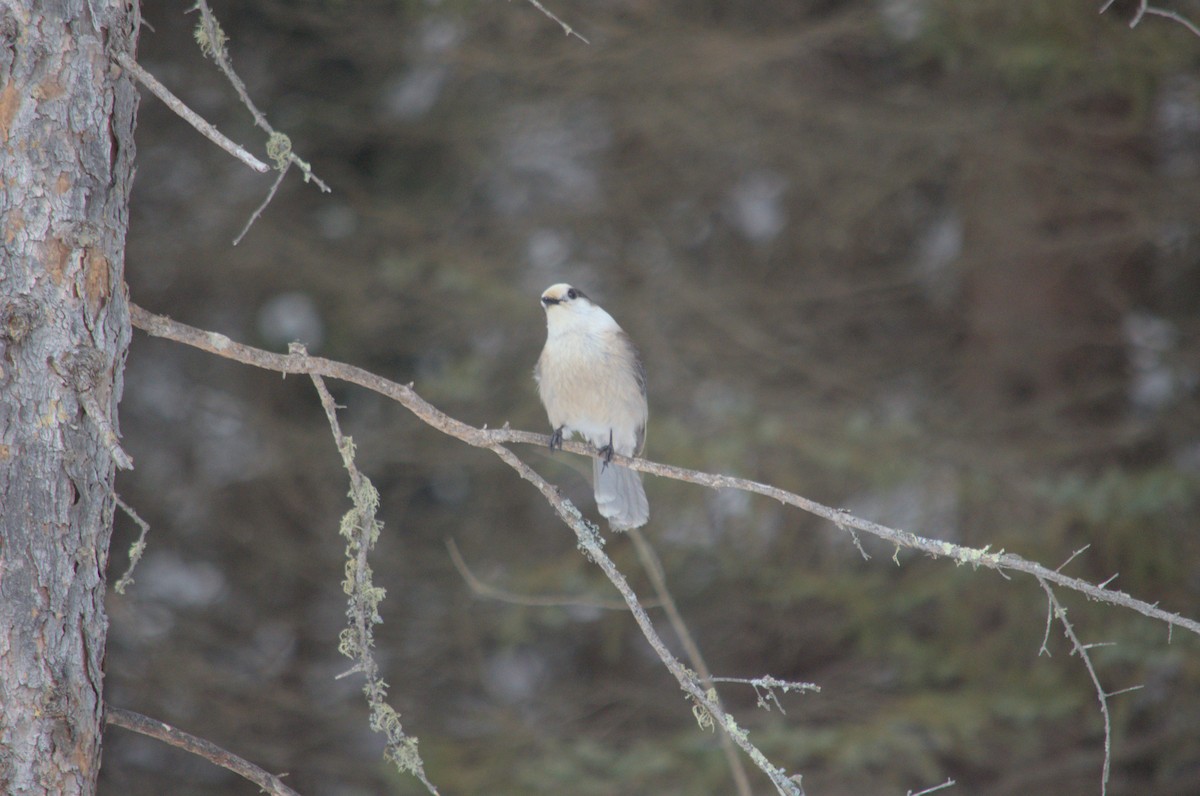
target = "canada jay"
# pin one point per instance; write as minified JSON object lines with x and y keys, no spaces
{"x":591,"y":382}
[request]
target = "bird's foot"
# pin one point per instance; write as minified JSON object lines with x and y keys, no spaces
{"x":556,"y":439}
{"x":607,"y":451}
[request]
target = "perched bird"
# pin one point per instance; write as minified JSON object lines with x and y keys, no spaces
{"x":592,"y":384}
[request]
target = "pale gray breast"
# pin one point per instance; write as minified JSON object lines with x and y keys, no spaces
{"x":592,"y":379}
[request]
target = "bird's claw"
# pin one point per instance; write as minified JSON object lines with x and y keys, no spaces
{"x":556,"y":439}
{"x":607,"y":451}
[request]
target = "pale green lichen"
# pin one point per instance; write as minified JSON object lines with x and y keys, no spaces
{"x":976,"y":557}
{"x":279,"y":149}
{"x":704,"y":716}
{"x":135,"y":555}
{"x":589,"y":539}
{"x":209,"y":36}
{"x":361,"y":529}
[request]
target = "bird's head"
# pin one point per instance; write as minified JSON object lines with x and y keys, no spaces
{"x":565,"y":297}
{"x":568,"y":307}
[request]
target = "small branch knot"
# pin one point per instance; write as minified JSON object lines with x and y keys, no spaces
{"x":82,"y":367}
{"x":18,"y":317}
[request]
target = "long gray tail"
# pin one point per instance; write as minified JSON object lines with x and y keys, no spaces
{"x":620,"y":495}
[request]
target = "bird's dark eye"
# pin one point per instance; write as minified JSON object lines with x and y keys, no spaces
{"x":572,"y":293}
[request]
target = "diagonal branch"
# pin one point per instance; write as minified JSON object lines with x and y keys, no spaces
{"x":1144,"y":8}
{"x":658,"y":580}
{"x":707,"y":708}
{"x":567,"y":29}
{"x":212,"y":41}
{"x":591,"y":543}
{"x":173,"y":736}
{"x":947,"y":784}
{"x":489,"y":591}
{"x":1174,"y":16}
{"x":219,"y":344}
{"x":187,"y":114}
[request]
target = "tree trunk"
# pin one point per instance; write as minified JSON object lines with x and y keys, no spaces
{"x":66,"y":158}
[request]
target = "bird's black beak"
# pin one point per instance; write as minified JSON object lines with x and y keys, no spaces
{"x":548,"y":300}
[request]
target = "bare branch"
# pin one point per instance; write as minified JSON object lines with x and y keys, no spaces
{"x":263,"y":205}
{"x":707,"y":707}
{"x":1045,"y":648}
{"x":589,"y":540}
{"x":1174,"y":16}
{"x":1001,"y":561}
{"x":1144,"y":8}
{"x":591,"y":544}
{"x":947,"y":784}
{"x":212,"y":41}
{"x":164,"y":732}
{"x":1137,"y":15}
{"x":187,"y":114}
{"x":764,"y":688}
{"x":544,"y":601}
{"x":658,"y":581}
{"x":135,"y":550}
{"x":1072,"y":557}
{"x":1102,"y":696}
{"x":567,"y":29}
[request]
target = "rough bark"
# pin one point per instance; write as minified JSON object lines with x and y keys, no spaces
{"x":66,"y":158}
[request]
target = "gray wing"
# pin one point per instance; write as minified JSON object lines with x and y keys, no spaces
{"x":639,"y":375}
{"x":639,"y":371}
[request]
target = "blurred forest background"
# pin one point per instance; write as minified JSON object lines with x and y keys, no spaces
{"x":932,"y":261}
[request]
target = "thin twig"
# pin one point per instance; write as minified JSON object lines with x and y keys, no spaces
{"x":947,"y":784}
{"x":211,"y":40}
{"x":1144,"y":8}
{"x":1081,"y":650}
{"x":1137,"y":15}
{"x":567,"y":29}
{"x":1174,"y":16}
{"x":658,"y":581}
{"x":1045,"y":648}
{"x":764,"y":688}
{"x":543,"y":601}
{"x":187,"y":114}
{"x":219,"y":344}
{"x":215,"y":48}
{"x":591,"y":543}
{"x":1072,"y":557}
{"x":164,"y":732}
{"x":263,"y":206}
{"x":135,"y":550}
